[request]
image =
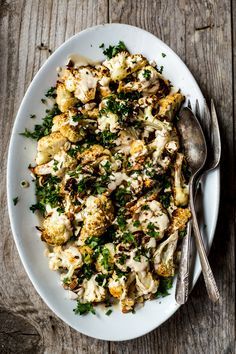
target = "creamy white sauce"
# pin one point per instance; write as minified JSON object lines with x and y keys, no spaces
{"x":80,"y":60}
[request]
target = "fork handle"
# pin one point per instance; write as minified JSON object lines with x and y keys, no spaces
{"x":182,"y":285}
{"x":210,"y":282}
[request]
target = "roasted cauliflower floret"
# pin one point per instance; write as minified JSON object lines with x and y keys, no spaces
{"x":146,"y":283}
{"x":180,"y":189}
{"x":81,"y":81}
{"x":179,"y":220}
{"x":97,"y":216}
{"x":69,"y":258}
{"x":95,"y":154}
{"x":48,"y":146}
{"x":92,"y":291}
{"x":147,"y":81}
{"x":170,"y":105}
{"x":64,"y":98}
{"x":57,"y":229}
{"x":164,"y":256}
{"x":61,"y":163}
{"x":124,"y":64}
{"x":67,"y":127}
{"x":154,"y":219}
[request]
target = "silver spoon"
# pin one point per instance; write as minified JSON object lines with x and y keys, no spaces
{"x":194,"y":144}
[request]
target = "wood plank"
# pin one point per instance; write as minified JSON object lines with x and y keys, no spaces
{"x":200,"y":32}
{"x":26,"y":323}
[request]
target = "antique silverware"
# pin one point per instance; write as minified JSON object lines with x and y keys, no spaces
{"x":195,"y":147}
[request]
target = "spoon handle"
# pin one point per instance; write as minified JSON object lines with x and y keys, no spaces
{"x":211,"y":286}
{"x":182,"y":285}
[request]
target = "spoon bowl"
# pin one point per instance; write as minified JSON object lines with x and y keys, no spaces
{"x":192,"y":140}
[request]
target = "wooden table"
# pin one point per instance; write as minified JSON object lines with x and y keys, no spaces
{"x":201,"y":32}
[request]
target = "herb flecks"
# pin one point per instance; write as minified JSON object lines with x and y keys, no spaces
{"x":111,"y":51}
{"x":15,"y":200}
{"x":45,"y":128}
{"x":83,"y":309}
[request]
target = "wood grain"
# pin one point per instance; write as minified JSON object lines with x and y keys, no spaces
{"x":201,"y":32}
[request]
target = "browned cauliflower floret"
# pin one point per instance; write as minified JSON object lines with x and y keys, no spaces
{"x":64,"y":98}
{"x":180,"y":217}
{"x":67,"y":127}
{"x":61,"y":163}
{"x":169,"y":105}
{"x":56,"y":229}
{"x":124,"y":64}
{"x":180,"y":189}
{"x":92,"y":291}
{"x":164,"y":256}
{"x":81,"y":81}
{"x":93,"y":155}
{"x":97,"y":216}
{"x":48,"y":146}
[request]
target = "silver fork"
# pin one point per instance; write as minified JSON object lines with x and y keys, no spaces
{"x":211,"y":131}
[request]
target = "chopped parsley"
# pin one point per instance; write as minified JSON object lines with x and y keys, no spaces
{"x":111,"y":51}
{"x":15,"y":200}
{"x":146,"y":74}
{"x":100,"y":279}
{"x":48,"y":193}
{"x":45,"y":128}
{"x":122,"y":196}
{"x":151,"y":230}
{"x":131,"y":96}
{"x":101,"y":45}
{"x":32,"y":116}
{"x":136,"y":223}
{"x":93,"y":242}
{"x":128,"y":237}
{"x":165,"y":199}
{"x":51,"y":92}
{"x":108,"y":312}
{"x":121,"y":221}
{"x":107,"y":138}
{"x":83,"y":309}
{"x":163,"y":54}
{"x":105,"y":258}
{"x":164,"y":285}
{"x":182,"y":233}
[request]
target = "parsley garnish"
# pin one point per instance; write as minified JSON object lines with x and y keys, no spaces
{"x":15,"y":200}
{"x":165,"y":199}
{"x":121,"y":221}
{"x":122,"y":196}
{"x":128,"y":237}
{"x":164,"y":285}
{"x":107,"y":138}
{"x":146,"y":74}
{"x":108,"y":312}
{"x":105,"y":258}
{"x":48,"y":193}
{"x":136,"y":223}
{"x":45,"y":128}
{"x":111,"y":51}
{"x":51,"y":92}
{"x":151,"y":227}
{"x":163,"y":54}
{"x":100,"y":279}
{"x":83,"y":309}
{"x":101,"y":45}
